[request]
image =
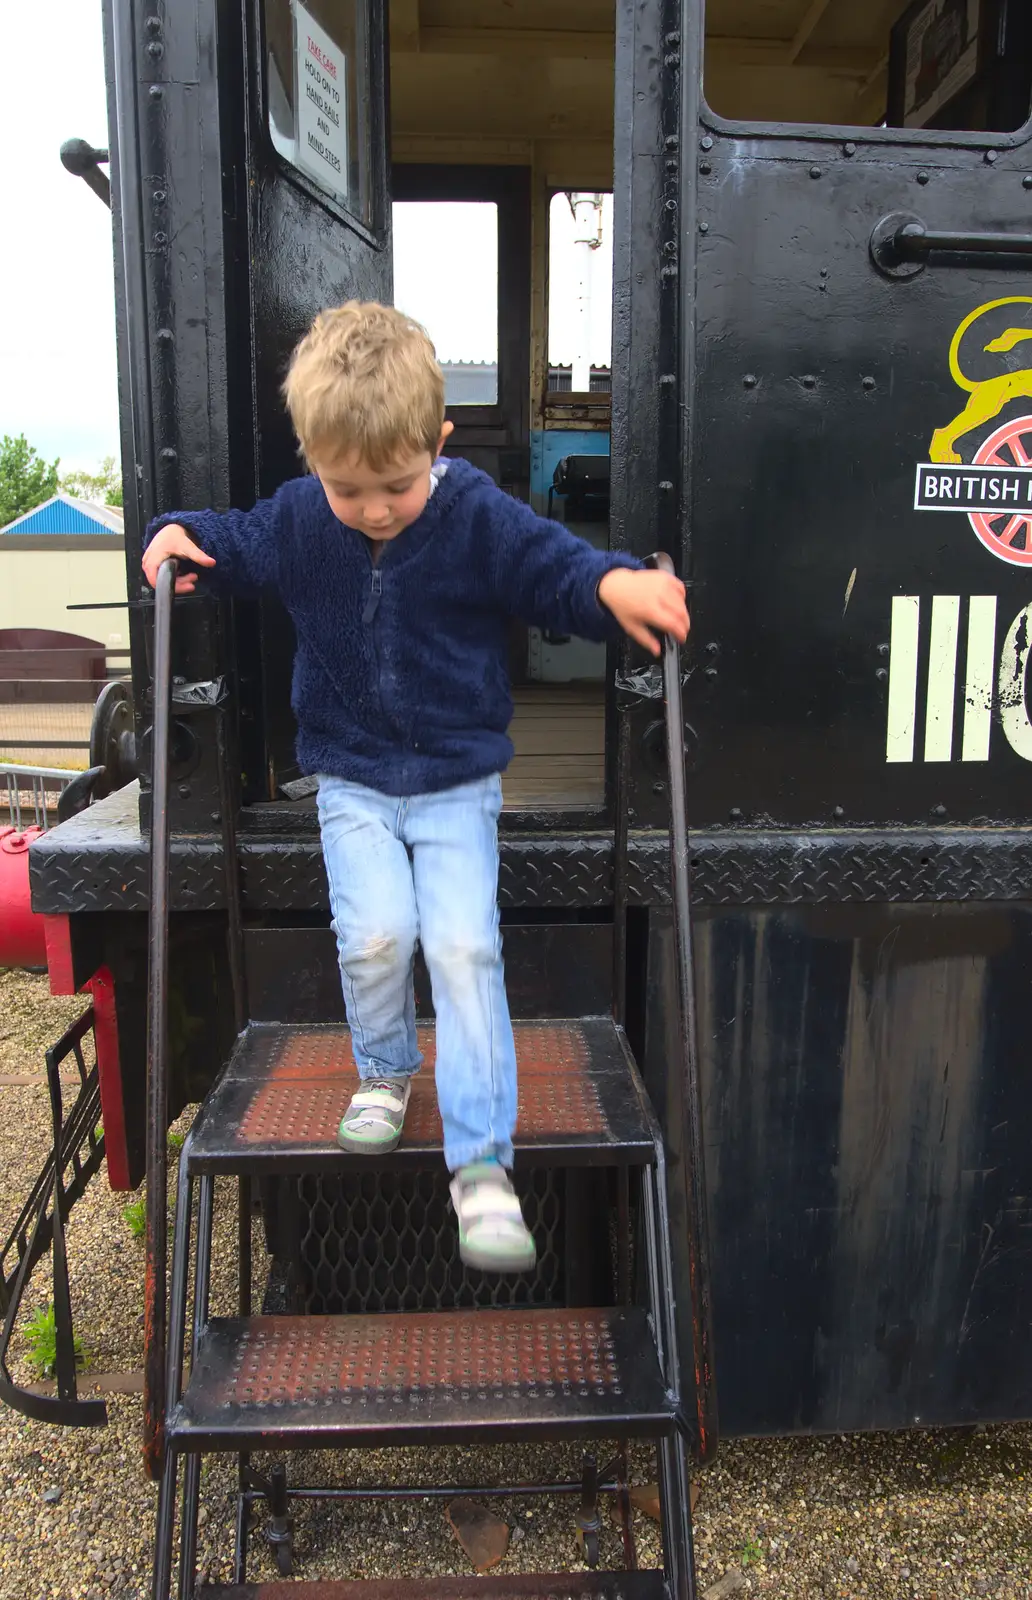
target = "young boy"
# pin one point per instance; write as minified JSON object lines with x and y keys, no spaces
{"x":400,"y":570}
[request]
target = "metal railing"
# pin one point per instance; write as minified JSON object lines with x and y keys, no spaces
{"x":32,"y":793}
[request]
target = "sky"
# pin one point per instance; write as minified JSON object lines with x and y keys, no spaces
{"x":58,"y":381}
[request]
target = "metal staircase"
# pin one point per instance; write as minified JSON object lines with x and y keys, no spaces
{"x":469,"y":1372}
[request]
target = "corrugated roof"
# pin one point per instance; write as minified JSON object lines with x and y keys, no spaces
{"x":63,"y":514}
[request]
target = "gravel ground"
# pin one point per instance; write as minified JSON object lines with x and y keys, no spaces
{"x":924,"y":1516}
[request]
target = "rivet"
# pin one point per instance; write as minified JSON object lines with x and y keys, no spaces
{"x":161,"y":238}
{"x":749,"y":381}
{"x":670,"y":164}
{"x":168,"y":454}
{"x":1026,"y":182}
{"x":215,"y":816}
{"x":824,"y":272}
{"x":990,"y":158}
{"x":153,"y":24}
{"x":815,"y":172}
{"x":735,"y":814}
{"x":155,"y":91}
{"x":883,"y":649}
{"x":668,"y":377}
{"x":939,"y":810}
{"x":658,"y":788}
{"x":867,"y":382}
{"x":668,"y":272}
{"x":671,"y":38}
{"x":704,"y":227}
{"x":184,"y":791}
{"x":671,"y":142}
{"x":881,"y":674}
{"x":164,"y":334}
{"x":922,"y":177}
{"x":159,"y":197}
{"x":849,"y":148}
{"x":809,"y":381}
{"x":706,"y":143}
{"x":665,"y":485}
{"x":669,"y":205}
{"x":713,"y":648}
{"x":705,"y":168}
{"x":712,"y":672}
{"x":838,"y":813}
{"x":156,"y":49}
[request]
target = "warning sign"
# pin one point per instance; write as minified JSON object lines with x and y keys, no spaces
{"x":322,"y":122}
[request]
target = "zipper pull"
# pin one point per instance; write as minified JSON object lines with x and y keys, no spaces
{"x":374,"y":597}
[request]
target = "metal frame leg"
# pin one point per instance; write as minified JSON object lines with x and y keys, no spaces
{"x":165,"y":1527}
{"x":188,"y":1524}
{"x":674,"y":1474}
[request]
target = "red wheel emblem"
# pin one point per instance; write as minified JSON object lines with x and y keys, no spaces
{"x":1008,"y":534}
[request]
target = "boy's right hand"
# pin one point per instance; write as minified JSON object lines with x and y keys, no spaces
{"x":173,"y":540}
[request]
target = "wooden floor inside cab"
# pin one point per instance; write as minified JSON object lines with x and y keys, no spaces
{"x":558,"y":731}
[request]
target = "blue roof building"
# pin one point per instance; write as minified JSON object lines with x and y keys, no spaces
{"x":63,"y":517}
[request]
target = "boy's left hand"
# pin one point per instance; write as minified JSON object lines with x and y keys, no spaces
{"x":641,"y":601}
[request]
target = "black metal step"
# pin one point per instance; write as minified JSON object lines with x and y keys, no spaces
{"x":438,"y":1377}
{"x":280,"y":1098}
{"x":537,"y":1586}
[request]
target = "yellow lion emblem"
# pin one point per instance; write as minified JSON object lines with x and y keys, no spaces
{"x":990,"y":395}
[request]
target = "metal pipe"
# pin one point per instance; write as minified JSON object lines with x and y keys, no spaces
{"x":156,"y":1281}
{"x":692,"y":1153}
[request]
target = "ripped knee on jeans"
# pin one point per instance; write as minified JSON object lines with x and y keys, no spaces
{"x":379,"y":949}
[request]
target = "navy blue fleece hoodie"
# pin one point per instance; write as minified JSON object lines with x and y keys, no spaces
{"x":400,"y":678}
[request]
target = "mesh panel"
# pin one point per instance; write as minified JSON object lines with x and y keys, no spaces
{"x":381,"y":1241}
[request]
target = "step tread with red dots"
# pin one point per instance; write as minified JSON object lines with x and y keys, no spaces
{"x":323,"y":1381}
{"x":280,"y":1098}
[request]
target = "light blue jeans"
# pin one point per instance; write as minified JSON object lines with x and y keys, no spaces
{"x":425,"y":867}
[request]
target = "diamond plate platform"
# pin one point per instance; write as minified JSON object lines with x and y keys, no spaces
{"x":284,"y":1090}
{"x":539,"y":1586}
{"x":420,"y":1379}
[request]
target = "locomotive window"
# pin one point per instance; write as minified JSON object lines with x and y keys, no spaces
{"x":446,"y":276}
{"x":946,"y":64}
{"x":319,"y":107}
{"x":580,"y":292}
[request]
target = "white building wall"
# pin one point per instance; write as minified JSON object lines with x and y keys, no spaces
{"x":37,"y":586}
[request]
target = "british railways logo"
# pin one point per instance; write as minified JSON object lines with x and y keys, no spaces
{"x":994,"y":487}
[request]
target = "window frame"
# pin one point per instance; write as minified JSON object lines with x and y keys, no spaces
{"x":377,"y":231}
{"x":504,"y":187}
{"x":569,"y":408}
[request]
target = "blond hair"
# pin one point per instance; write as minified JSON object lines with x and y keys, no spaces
{"x":365,"y":380}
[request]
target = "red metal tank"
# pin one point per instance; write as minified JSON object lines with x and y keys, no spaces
{"x":22,"y":938}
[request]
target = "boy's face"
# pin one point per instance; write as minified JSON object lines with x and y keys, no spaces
{"x":378,"y":503}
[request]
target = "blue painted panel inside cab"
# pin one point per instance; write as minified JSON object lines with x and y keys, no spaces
{"x":547,"y":448}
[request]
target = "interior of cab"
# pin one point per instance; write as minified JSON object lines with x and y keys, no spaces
{"x":501,"y":178}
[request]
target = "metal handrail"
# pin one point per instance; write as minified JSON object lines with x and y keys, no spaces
{"x":692,"y":1154}
{"x":156,"y":1283}
{"x":155,"y":1390}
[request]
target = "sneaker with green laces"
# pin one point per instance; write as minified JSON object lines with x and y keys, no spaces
{"x":373,"y":1122}
{"x":492,"y":1233}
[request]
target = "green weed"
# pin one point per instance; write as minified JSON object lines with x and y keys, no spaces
{"x":752,"y":1550}
{"x":41,"y":1333}
{"x":135,"y":1214}
{"x":176,"y":1140}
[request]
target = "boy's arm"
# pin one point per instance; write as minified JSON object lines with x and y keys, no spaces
{"x":548,"y":576}
{"x":233,"y":550}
